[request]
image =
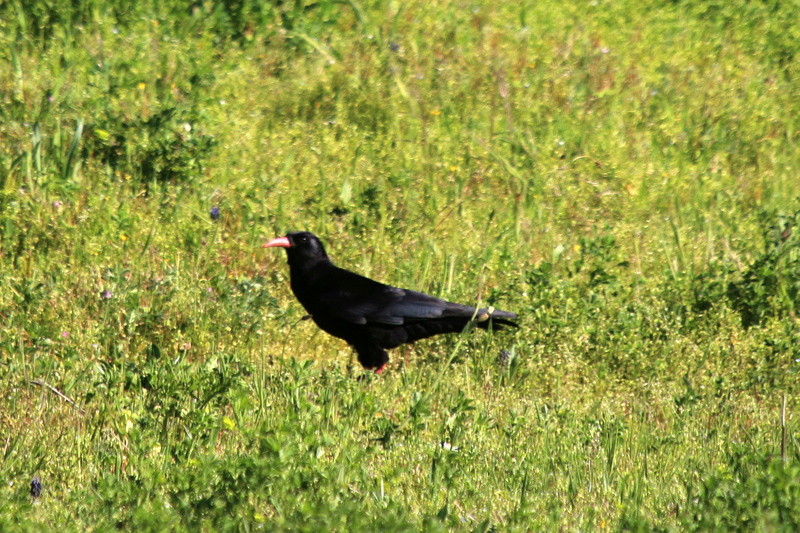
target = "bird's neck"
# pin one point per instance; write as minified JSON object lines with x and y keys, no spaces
{"x":305,"y":278}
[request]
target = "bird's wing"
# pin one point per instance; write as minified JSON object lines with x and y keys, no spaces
{"x":409,"y":305}
{"x":354,"y":298}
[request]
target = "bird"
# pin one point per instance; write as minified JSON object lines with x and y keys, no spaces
{"x":370,"y":316}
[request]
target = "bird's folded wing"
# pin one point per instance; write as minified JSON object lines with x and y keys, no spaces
{"x":359,"y":300}
{"x":409,"y":305}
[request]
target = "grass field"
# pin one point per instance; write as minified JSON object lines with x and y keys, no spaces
{"x":624,"y":175}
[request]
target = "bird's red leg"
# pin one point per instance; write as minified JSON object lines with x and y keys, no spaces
{"x":376,"y":369}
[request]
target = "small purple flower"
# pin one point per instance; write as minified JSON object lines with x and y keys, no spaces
{"x":504,"y":358}
{"x":394,"y":47}
{"x":106,"y":295}
{"x":36,"y":487}
{"x":57,"y":204}
{"x":64,"y":334}
{"x":214,"y":213}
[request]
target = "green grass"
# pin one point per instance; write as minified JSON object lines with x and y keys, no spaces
{"x":624,"y":176}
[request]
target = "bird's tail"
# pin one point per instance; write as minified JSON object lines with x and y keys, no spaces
{"x":495,"y":318}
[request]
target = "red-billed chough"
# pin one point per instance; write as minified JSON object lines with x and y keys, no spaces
{"x":370,"y":316}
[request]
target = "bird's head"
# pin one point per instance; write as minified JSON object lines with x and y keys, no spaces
{"x":302,"y":248}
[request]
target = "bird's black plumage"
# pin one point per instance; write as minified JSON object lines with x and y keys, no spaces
{"x":371,"y":316}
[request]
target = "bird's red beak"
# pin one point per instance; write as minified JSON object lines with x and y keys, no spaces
{"x":283,"y":242}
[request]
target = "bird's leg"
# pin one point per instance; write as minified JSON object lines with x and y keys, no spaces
{"x":375,"y":369}
{"x":372,"y":357}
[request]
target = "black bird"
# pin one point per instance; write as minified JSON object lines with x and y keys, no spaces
{"x":370,"y":316}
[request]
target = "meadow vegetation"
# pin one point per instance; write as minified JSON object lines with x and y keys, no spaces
{"x":624,"y":175}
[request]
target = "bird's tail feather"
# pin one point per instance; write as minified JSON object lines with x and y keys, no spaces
{"x":496,"y":323}
{"x":423,"y":329}
{"x":497,"y":319}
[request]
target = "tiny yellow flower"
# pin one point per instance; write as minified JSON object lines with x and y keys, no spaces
{"x":123,"y":237}
{"x":436,"y":112}
{"x":228,"y":422}
{"x":141,"y":85}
